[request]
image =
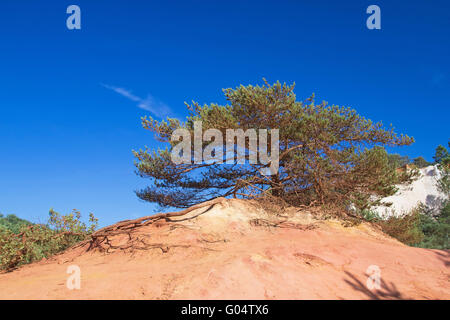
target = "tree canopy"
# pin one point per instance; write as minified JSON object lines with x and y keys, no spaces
{"x":420,"y":162}
{"x":327,"y":153}
{"x":442,"y":158}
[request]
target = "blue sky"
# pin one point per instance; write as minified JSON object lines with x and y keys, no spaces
{"x":71,"y":100}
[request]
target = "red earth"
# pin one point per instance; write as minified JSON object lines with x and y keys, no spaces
{"x":236,"y":250}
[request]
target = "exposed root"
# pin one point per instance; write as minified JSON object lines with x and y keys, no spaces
{"x":101,"y":238}
{"x":131,"y":224}
{"x":281,"y":224}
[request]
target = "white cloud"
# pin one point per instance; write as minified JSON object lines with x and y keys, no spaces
{"x":151,"y":104}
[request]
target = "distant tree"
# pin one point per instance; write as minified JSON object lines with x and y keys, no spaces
{"x":397,"y":160}
{"x":328,"y":154}
{"x":436,"y":229}
{"x":442,"y":157}
{"x":420,"y":162}
{"x":441,"y":154}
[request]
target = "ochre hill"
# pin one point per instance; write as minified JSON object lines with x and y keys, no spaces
{"x":233,"y":249}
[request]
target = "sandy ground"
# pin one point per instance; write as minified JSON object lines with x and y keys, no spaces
{"x":224,"y":253}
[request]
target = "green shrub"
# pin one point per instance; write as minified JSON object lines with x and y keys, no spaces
{"x":418,"y":229}
{"x":406,"y":229}
{"x":34,"y":242}
{"x":436,"y":230}
{"x":369,"y":215}
{"x":13,"y":223}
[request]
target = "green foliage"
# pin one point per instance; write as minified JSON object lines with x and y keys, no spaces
{"x":404,"y":174}
{"x":13,"y":223}
{"x":370,"y":215}
{"x":397,"y":161}
{"x":419,"y":228}
{"x":34,"y":242}
{"x":71,"y":222}
{"x":436,"y":230}
{"x":376,"y":177}
{"x":442,"y":158}
{"x":406,"y":229}
{"x":420,"y":162}
{"x":328,"y":154}
{"x":441,"y":155}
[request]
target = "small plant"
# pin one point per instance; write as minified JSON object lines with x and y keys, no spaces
{"x":370,"y":215}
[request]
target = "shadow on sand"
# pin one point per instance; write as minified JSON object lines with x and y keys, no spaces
{"x":387,"y":291}
{"x":444,"y":256}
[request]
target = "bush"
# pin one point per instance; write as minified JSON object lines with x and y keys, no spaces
{"x":406,"y":229}
{"x":13,"y":223}
{"x":436,"y":230}
{"x":418,"y":229}
{"x":369,"y":215}
{"x":34,"y":242}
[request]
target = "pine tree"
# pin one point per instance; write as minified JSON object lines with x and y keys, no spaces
{"x":327,"y":153}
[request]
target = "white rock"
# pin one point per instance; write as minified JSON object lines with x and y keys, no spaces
{"x":423,"y":190}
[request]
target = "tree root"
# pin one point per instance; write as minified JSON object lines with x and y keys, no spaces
{"x":101,"y":238}
{"x":281,"y":224}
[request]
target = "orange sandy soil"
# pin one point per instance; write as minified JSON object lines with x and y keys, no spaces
{"x":221,"y":254}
